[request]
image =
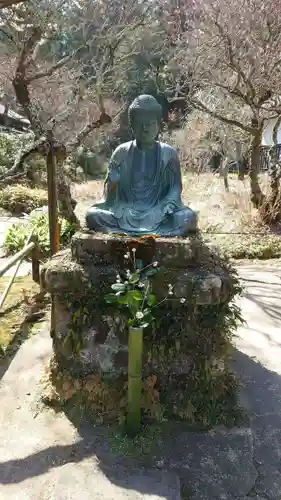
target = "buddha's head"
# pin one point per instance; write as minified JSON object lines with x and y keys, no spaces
{"x":144,"y":116}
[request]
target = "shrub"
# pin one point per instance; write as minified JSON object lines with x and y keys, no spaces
{"x":10,"y":146}
{"x":18,"y":233}
{"x":20,"y":198}
{"x":93,"y":165}
{"x":252,"y":247}
{"x":263,"y":247}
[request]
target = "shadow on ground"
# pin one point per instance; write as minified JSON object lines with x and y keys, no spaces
{"x":217,"y":464}
{"x":222,"y":464}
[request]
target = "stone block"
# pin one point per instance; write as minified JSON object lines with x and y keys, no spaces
{"x":80,"y":277}
{"x":104,"y":249}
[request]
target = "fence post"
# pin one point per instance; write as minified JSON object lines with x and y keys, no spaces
{"x":54,"y":229}
{"x":35,"y":265}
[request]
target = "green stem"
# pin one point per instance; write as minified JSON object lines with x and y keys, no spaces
{"x":144,"y":296}
{"x":135,"y":345}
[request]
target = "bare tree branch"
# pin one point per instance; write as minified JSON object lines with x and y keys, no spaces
{"x":49,"y":71}
{"x":20,"y":83}
{"x":233,"y":91}
{"x":9,"y":3}
{"x":234,"y":63}
{"x":201,"y":107}
{"x":95,"y":124}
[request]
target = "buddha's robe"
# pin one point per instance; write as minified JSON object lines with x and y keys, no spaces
{"x":138,"y":187}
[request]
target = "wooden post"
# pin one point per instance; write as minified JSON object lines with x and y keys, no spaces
{"x":54,"y":229}
{"x":35,"y":265}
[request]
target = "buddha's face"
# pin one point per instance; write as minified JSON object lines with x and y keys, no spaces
{"x":145,"y":127}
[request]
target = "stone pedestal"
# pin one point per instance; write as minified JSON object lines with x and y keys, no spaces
{"x":90,"y":336}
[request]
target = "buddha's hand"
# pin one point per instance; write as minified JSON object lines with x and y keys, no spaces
{"x":169,"y":209}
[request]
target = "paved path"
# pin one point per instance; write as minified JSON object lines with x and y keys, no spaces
{"x":45,"y":457}
{"x":258,"y":365}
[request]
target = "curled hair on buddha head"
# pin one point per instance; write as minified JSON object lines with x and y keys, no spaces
{"x":146,"y":103}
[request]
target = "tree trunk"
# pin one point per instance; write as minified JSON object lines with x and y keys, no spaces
{"x":240,"y":164}
{"x":66,"y":202}
{"x":274,"y":171}
{"x":21,"y":87}
{"x":224,"y":173}
{"x":257,"y":197}
{"x":274,"y":179}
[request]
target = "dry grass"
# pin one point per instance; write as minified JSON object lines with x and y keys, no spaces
{"x":19,"y":198}
{"x":218,"y":210}
{"x":227,"y":218}
{"x":91,"y":190}
{"x":21,"y":309}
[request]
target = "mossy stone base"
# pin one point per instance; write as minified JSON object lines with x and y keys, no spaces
{"x":204,"y":398}
{"x":90,"y":337}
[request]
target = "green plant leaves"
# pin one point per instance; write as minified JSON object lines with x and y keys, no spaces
{"x":110,"y":298}
{"x":18,"y":233}
{"x":144,"y":325}
{"x":134,"y":279}
{"x":151,"y":299}
{"x":118,"y":287}
{"x":134,"y":295}
{"x":137,"y":295}
{"x":151,"y":271}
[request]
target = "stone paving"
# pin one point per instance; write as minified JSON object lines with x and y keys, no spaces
{"x":257,"y":362}
{"x":45,"y":457}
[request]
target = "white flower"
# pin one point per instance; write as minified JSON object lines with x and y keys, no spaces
{"x":141,"y":285}
{"x":139,"y":315}
{"x":155,"y":264}
{"x":127,"y":256}
{"x":134,"y":250}
{"x":170,"y":292}
{"x":170,"y":289}
{"x":182,"y":300}
{"x":118,"y":278}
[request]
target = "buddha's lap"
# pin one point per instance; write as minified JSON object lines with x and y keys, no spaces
{"x":180,"y":212}
{"x":102,"y":216}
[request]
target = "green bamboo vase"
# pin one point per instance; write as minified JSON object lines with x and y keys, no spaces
{"x":135,"y":346}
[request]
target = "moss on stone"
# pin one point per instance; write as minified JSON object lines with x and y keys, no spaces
{"x":205,"y":398}
{"x":184,"y":351}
